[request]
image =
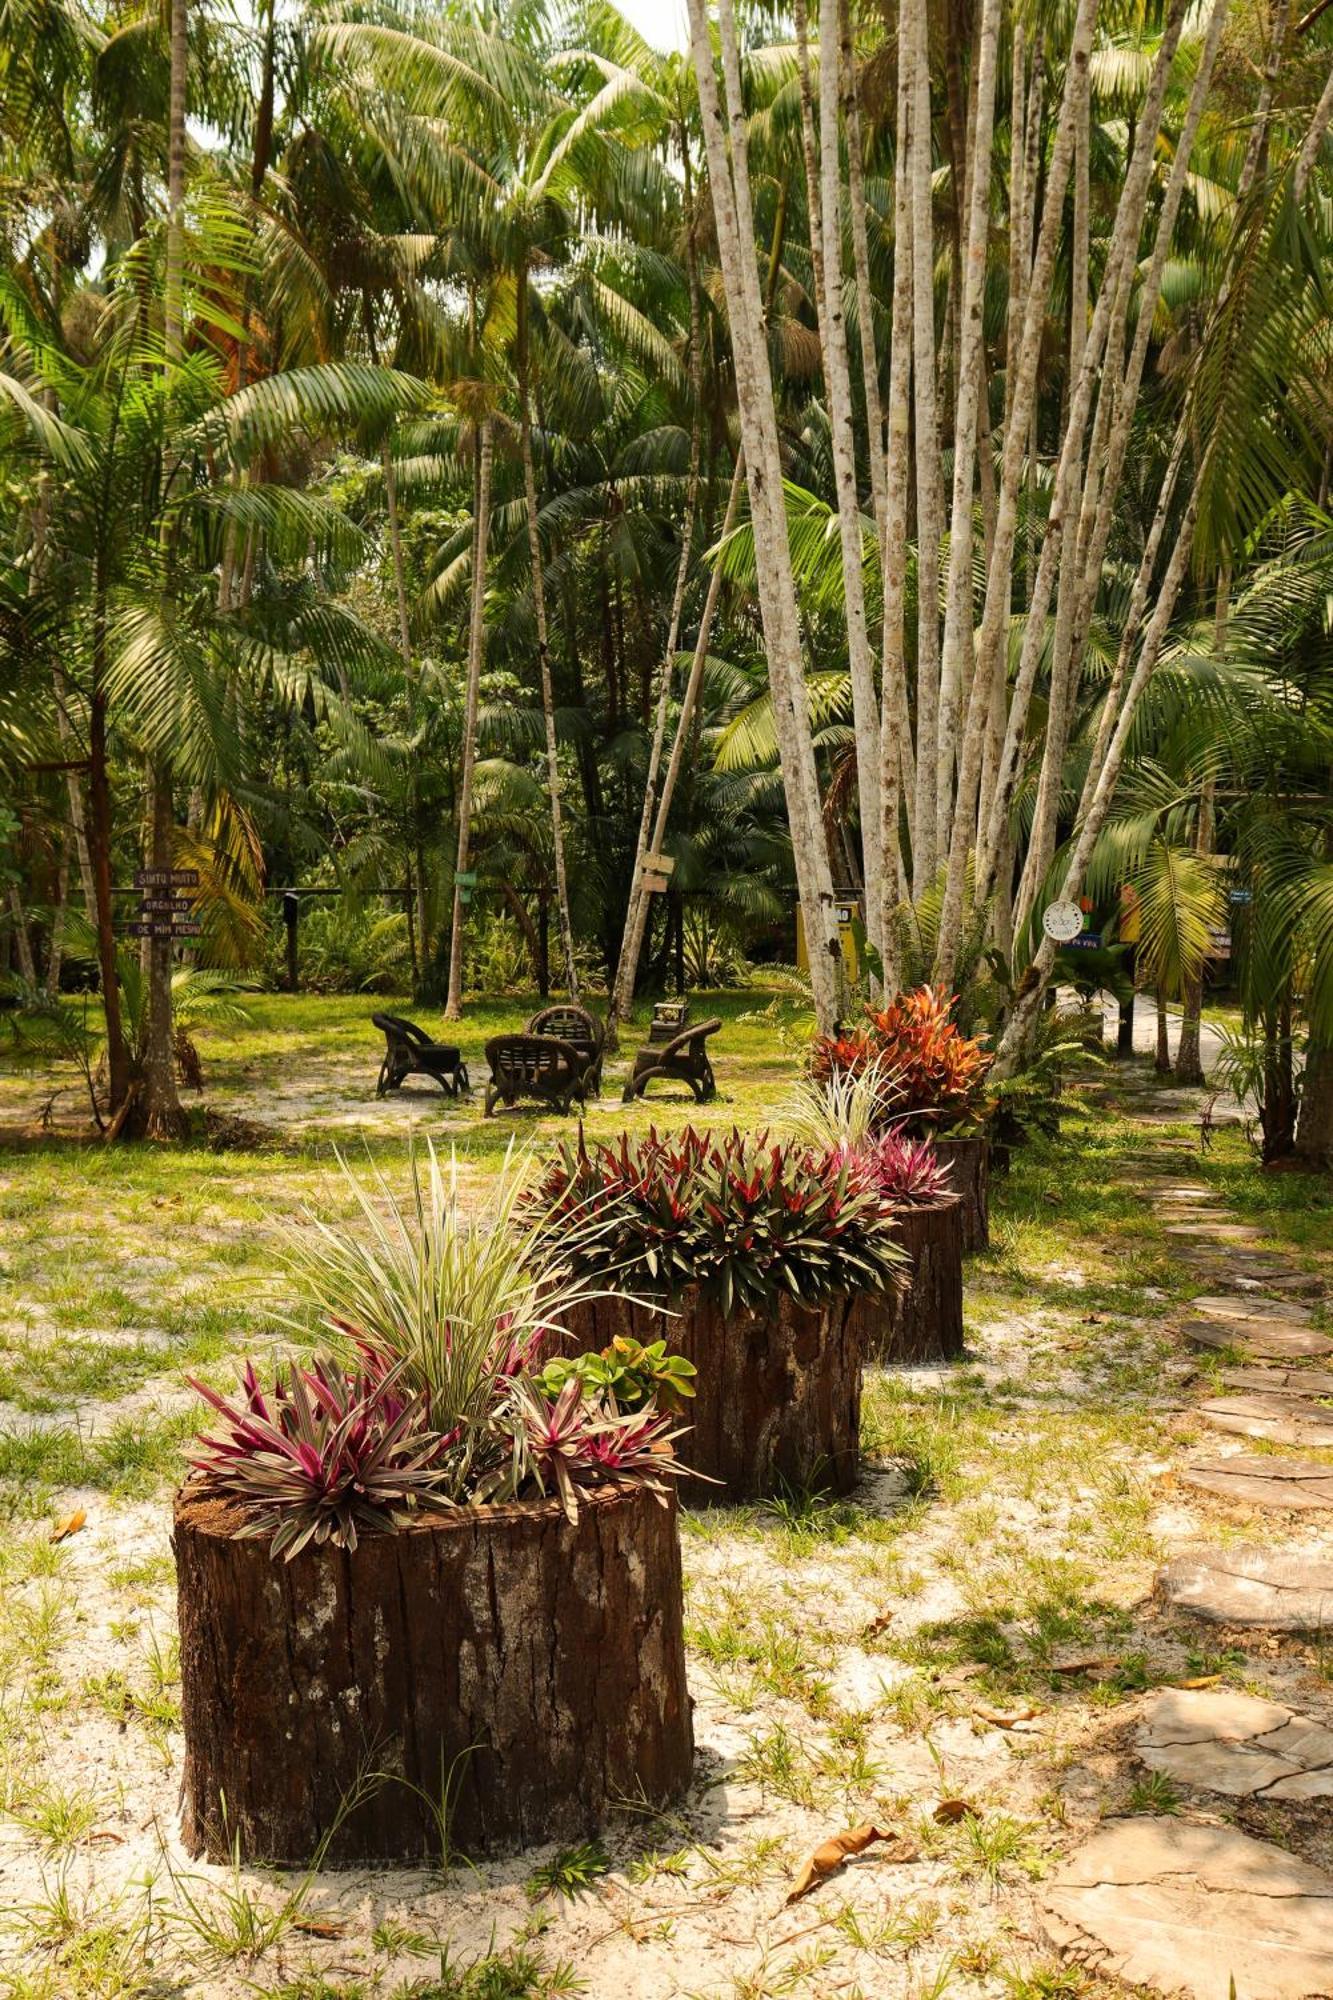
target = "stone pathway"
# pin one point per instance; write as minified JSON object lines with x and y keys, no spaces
{"x":1176,"y":1904}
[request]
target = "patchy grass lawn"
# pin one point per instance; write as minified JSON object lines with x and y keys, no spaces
{"x":976,"y":1624}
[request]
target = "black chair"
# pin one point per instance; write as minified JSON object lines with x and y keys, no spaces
{"x":409,"y":1051}
{"x":684,"y":1060}
{"x":539,"y":1066}
{"x":582,"y":1030}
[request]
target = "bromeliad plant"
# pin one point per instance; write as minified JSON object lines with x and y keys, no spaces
{"x":935,"y":1072}
{"x":745,"y":1219}
{"x":905,"y":1173}
{"x":432,"y":1394}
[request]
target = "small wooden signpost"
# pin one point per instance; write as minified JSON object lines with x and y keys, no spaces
{"x":657,"y":872}
{"x":163,"y":912}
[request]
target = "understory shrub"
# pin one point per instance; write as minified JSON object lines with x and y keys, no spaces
{"x":930,"y":1072}
{"x":433,"y":1392}
{"x":744,"y":1218}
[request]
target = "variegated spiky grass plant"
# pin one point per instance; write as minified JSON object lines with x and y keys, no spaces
{"x":845,"y":1109}
{"x":453,"y":1304}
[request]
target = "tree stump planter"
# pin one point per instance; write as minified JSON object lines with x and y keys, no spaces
{"x":922,"y":1319}
{"x":777,"y":1395}
{"x":502,"y":1664}
{"x":968,"y":1161}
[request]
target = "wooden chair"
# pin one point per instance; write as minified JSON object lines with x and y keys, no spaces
{"x":685,"y":1060}
{"x":409,"y":1051}
{"x":539,"y":1066}
{"x":582,"y":1030}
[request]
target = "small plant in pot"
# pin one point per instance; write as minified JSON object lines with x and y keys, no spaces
{"x":745,"y":1255}
{"x":921,"y":1318}
{"x":367,"y":1545}
{"x":932,"y":1081}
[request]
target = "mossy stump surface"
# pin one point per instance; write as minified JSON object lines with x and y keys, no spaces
{"x":922,"y":1318}
{"x":777,"y":1399}
{"x":530,"y":1668}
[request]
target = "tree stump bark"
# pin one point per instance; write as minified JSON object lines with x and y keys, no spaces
{"x":511,"y":1672}
{"x":777,"y":1395}
{"x":968,"y":1161}
{"x":922,"y":1320}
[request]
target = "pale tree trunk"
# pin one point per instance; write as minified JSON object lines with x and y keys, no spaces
{"x":543,"y":649}
{"x":896,"y":768}
{"x":55,"y":950}
{"x":850,"y":98}
{"x":956,"y":658}
{"x":481,"y":535}
{"x":627,"y":966}
{"x":1112,"y":303}
{"x":992,"y":636}
{"x":18,"y":918}
{"x":1041,"y":845}
{"x":733,"y":213}
{"x":1189,"y":1064}
{"x":837,"y":376}
{"x":1162,"y":1057}
{"x":929,"y":486}
{"x":1122,"y":700}
{"x":161,"y":1114}
{"x":410,"y":685}
{"x":640,"y":910}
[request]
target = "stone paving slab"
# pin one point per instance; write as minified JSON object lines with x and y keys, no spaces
{"x":1259,"y":1339}
{"x":1217,"y":1233}
{"x":1280,"y":1419}
{"x":1225,"y":1308}
{"x":1281,"y":1381}
{"x":1276,"y":1590}
{"x":1220,"y":1741}
{"x":1186,"y":1909}
{"x":1264,"y":1482}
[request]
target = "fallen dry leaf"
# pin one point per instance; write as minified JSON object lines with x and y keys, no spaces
{"x":830,"y":1855}
{"x":319,"y":1927}
{"x":1090,"y":1663}
{"x":878,"y":1625}
{"x":949,"y":1811}
{"x":1199,"y":1681}
{"x":1004,"y":1718}
{"x":69,"y":1526}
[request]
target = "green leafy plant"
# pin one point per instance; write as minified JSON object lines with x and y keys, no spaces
{"x":633,"y":1372}
{"x":746,"y":1219}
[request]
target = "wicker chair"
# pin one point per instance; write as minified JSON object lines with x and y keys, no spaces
{"x":409,"y":1051}
{"x":685,"y":1060}
{"x":582,"y":1030}
{"x":540,"y":1066}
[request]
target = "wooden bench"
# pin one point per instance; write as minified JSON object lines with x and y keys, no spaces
{"x":409,"y":1051}
{"x":685,"y":1060}
{"x":539,"y":1066}
{"x":582,"y":1030}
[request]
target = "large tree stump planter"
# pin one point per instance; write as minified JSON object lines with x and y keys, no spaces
{"x":512,"y":1672}
{"x":777,"y":1400}
{"x":922,"y":1319}
{"x":968,"y":1161}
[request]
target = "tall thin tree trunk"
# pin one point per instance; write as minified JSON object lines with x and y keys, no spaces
{"x":837,"y":376}
{"x":481,"y":535}
{"x":956,"y":658}
{"x":733,"y":213}
{"x":161,"y":1114}
{"x":410,"y":689}
{"x":897,"y":769}
{"x":543,"y":649}
{"x":627,"y":966}
{"x":929,"y":481}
